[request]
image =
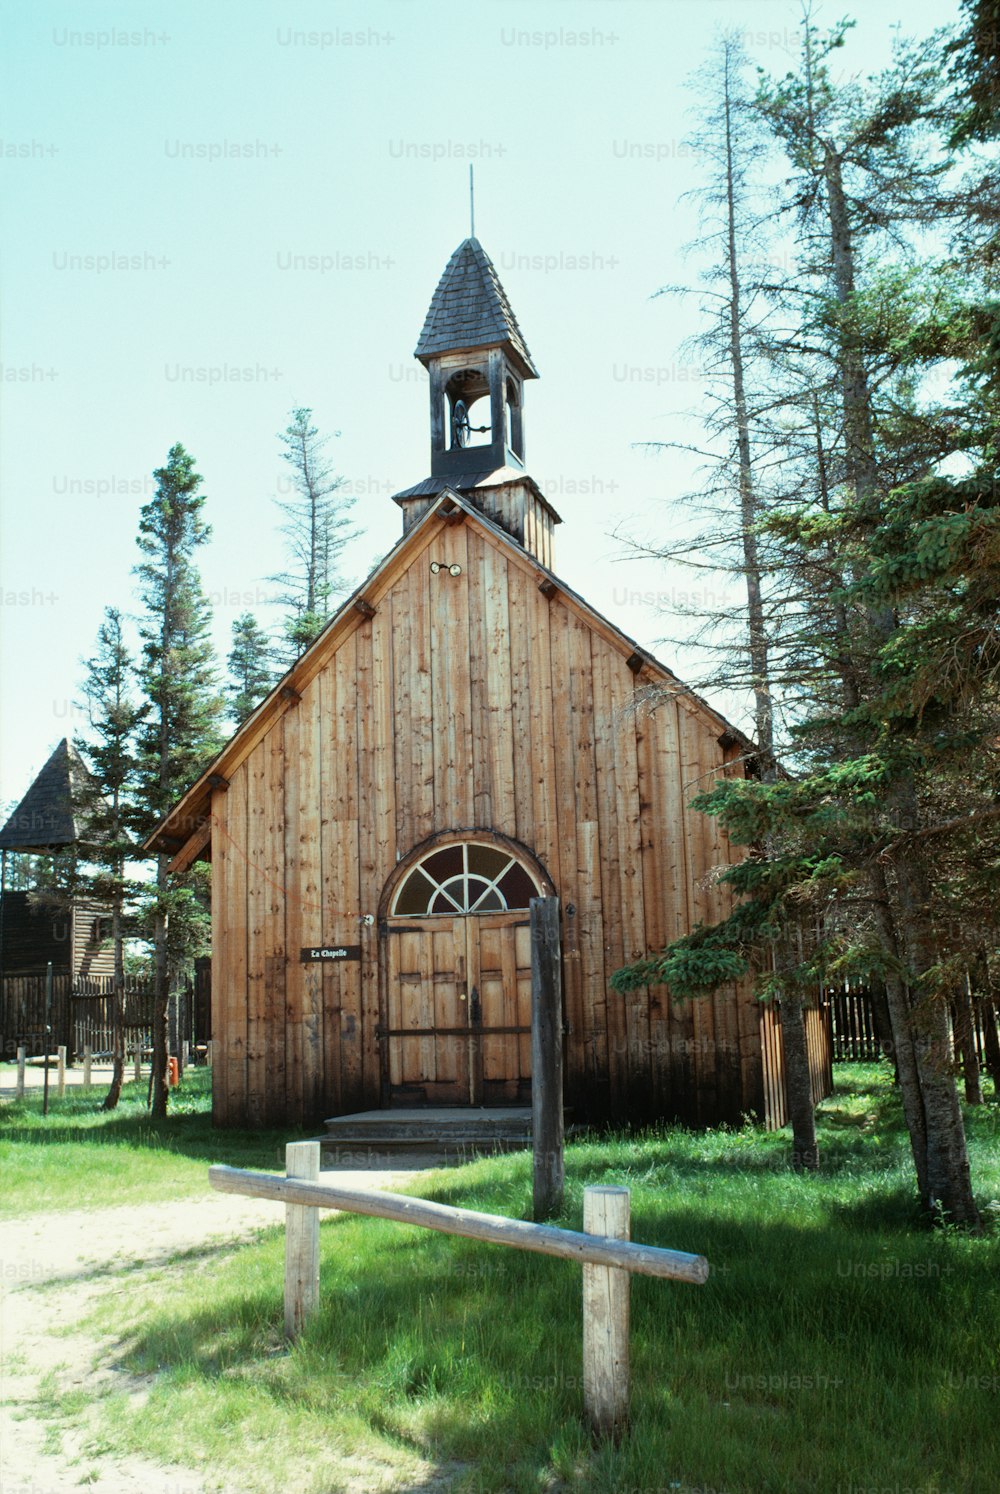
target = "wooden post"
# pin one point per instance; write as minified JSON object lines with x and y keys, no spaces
{"x":605,"y":1317}
{"x":21,"y":1057}
{"x":185,"y":1055}
{"x":301,"y":1241}
{"x":87,"y":1056}
{"x":208,"y":1053}
{"x":546,"y":1058}
{"x":61,"y":1072}
{"x":48,"y":1033}
{"x":138,"y":1061}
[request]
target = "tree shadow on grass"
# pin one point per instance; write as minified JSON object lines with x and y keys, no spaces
{"x":116,"y":1269}
{"x":473,"y":1351}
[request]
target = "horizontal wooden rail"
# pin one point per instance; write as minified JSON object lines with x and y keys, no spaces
{"x":545,"y":1239}
{"x":604,"y":1250}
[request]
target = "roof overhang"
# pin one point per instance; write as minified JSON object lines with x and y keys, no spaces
{"x":474,"y":353}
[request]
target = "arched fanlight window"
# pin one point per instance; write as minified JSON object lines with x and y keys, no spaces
{"x":465,"y":878}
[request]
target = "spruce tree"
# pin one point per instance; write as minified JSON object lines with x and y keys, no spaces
{"x":974,"y":70}
{"x":114,"y":715}
{"x":892,"y":577}
{"x":180,"y":733}
{"x":743,"y":444}
{"x":251,"y":668}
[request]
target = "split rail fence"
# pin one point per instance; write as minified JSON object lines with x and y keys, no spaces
{"x":604,"y":1250}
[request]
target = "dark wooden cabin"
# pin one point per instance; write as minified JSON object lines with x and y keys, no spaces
{"x":34,"y":927}
{"x":465,"y":734}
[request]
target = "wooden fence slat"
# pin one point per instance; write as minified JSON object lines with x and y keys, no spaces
{"x":854,"y":1028}
{"x":83,"y":1008}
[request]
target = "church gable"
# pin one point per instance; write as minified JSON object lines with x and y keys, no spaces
{"x":472,"y":678}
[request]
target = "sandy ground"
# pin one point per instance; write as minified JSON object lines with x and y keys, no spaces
{"x":54,"y":1269}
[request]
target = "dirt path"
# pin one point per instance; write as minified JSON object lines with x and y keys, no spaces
{"x":55,"y":1269}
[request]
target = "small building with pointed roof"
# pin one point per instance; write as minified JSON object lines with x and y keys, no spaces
{"x":468,"y":733}
{"x":35,"y":929}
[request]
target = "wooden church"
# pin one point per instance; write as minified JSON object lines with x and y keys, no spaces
{"x":466,"y":734}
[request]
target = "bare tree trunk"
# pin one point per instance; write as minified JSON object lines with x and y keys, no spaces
{"x":798,"y":1084}
{"x":798,"y":1081}
{"x":948,"y":1188}
{"x":981,"y":982}
{"x":883,"y":1022}
{"x":965,"y":1042}
{"x":158,"y":1079}
{"x":749,"y":515}
{"x":992,"y":1043}
{"x":117,"y":1011}
{"x":904,"y":1048}
{"x":949,"y":1184}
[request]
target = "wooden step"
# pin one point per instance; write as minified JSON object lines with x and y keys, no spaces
{"x":371,"y":1135}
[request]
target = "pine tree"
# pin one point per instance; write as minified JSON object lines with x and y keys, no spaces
{"x":251,"y":668}
{"x":893,"y":710}
{"x":114,"y":716}
{"x":180,"y":733}
{"x":745,"y":442}
{"x":863,"y":176}
{"x":316,"y":529}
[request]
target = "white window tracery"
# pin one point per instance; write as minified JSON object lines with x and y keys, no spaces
{"x":465,"y":877}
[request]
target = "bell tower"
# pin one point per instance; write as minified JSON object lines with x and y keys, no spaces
{"x":477,"y":364}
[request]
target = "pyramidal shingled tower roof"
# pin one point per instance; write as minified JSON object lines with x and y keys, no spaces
{"x":470,"y":309}
{"x":50,"y":813}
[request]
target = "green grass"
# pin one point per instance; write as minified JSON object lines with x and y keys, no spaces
{"x":838,"y":1344}
{"x":79,"y":1156}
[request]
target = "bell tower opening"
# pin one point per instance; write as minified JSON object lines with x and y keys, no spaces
{"x":514,"y":424}
{"x":468,"y":409}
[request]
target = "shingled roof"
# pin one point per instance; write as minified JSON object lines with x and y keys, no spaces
{"x":50,"y":813}
{"x":470,"y":309}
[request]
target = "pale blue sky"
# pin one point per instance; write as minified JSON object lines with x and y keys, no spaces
{"x":171,"y":172}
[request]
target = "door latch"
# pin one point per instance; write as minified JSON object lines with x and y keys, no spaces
{"x":475,"y":1008}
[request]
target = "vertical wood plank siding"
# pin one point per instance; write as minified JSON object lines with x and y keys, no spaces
{"x":474,"y":702}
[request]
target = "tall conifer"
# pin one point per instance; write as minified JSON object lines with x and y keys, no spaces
{"x":180,"y":733}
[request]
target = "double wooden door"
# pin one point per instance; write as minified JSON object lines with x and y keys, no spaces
{"x":457,"y":1009}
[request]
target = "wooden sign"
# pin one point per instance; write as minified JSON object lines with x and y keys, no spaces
{"x":330,"y":952}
